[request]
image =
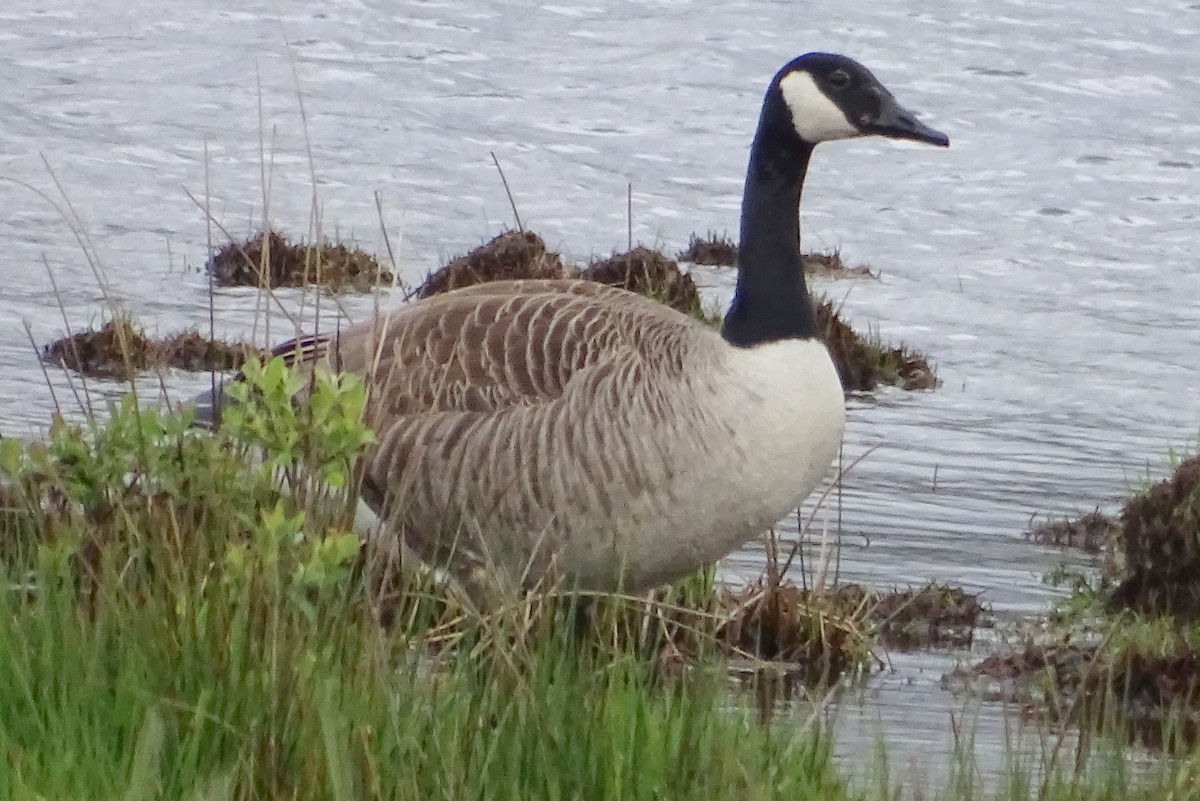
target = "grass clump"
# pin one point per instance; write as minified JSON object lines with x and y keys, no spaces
{"x":510,"y":255}
{"x":181,"y":620}
{"x":816,"y":636}
{"x":1122,"y":655}
{"x":934,"y":615}
{"x":1150,"y":548}
{"x":1160,"y":539}
{"x":710,"y":250}
{"x":271,"y":260}
{"x":648,"y":272}
{"x":865,"y":363}
{"x":120,"y":349}
{"x":1133,"y":679}
{"x":718,"y":250}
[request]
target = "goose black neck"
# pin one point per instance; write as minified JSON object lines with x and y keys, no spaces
{"x":772,"y":301}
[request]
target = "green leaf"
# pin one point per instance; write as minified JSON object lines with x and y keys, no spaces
{"x":12,"y":456}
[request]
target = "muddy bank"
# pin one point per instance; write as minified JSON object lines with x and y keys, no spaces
{"x":120,"y":349}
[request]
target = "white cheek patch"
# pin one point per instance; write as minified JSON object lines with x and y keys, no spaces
{"x":816,"y":117}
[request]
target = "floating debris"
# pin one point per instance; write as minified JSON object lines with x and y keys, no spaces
{"x":271,"y":260}
{"x":119,"y":350}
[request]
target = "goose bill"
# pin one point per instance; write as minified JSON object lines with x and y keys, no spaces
{"x":897,"y":122}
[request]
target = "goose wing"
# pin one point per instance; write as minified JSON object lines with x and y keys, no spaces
{"x":507,"y":343}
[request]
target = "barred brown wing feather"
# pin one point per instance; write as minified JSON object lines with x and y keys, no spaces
{"x":491,"y":346}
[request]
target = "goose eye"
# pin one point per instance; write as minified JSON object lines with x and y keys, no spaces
{"x":839,"y":80}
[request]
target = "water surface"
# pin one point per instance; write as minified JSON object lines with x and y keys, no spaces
{"x":1046,"y":261}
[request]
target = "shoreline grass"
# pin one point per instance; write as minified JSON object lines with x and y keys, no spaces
{"x":180,"y":619}
{"x":1121,"y":655}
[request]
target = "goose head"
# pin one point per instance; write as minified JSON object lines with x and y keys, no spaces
{"x":825,"y":96}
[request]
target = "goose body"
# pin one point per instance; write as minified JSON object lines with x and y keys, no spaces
{"x":529,"y":430}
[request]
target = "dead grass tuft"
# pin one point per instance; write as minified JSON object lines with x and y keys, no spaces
{"x":648,"y":272}
{"x":1091,"y":533}
{"x":718,"y":250}
{"x":711,"y":250}
{"x":511,"y":255}
{"x":864,"y":365}
{"x":119,"y":350}
{"x":271,"y":260}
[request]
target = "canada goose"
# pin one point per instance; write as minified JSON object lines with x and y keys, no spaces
{"x":562,"y":428}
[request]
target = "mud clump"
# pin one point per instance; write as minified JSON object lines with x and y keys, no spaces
{"x":710,"y":250}
{"x":511,"y":255}
{"x":1091,"y":533}
{"x":119,"y":350}
{"x":271,"y":260}
{"x":650,"y":273}
{"x":864,"y":365}
{"x":1161,"y":543}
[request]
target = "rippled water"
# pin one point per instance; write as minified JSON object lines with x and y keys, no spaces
{"x":1046,"y":261}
